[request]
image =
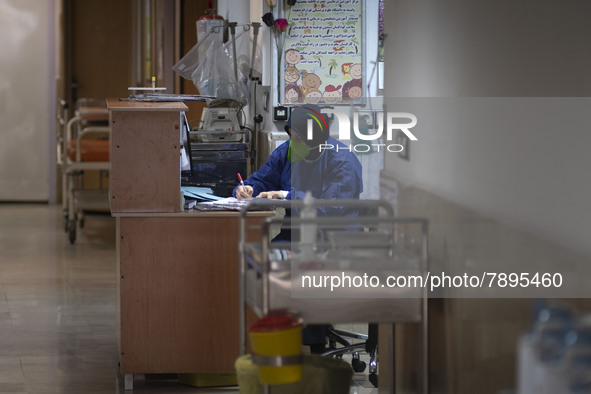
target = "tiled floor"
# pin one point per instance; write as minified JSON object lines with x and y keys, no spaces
{"x":58,"y":308}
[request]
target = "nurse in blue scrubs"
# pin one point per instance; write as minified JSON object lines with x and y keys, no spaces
{"x":322,"y":165}
{"x":300,"y":165}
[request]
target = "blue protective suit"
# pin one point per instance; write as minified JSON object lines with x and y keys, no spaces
{"x":335,"y":174}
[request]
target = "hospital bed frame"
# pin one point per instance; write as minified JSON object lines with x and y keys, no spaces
{"x":397,"y":245}
{"x":82,"y":145}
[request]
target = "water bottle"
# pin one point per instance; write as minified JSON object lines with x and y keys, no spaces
{"x":308,"y":229}
{"x":541,"y":350}
{"x":578,"y":358}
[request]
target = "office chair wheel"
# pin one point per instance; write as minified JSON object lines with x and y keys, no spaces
{"x":373,"y":379}
{"x":358,"y":365}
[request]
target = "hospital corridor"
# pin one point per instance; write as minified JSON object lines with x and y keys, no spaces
{"x":295,"y":196}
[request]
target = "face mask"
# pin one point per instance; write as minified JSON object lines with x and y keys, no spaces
{"x":297,"y":151}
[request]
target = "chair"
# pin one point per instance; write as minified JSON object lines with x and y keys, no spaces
{"x":369,"y":344}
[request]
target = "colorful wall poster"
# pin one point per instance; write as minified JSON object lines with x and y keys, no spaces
{"x":322,"y":52}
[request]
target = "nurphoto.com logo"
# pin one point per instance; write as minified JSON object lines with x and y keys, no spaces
{"x":394,"y":121}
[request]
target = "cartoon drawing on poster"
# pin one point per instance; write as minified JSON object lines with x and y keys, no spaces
{"x":322,"y":56}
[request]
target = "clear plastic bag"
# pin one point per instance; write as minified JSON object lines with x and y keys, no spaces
{"x":244,"y":61}
{"x":210,"y":65}
{"x":215,"y":76}
{"x":196,"y":55}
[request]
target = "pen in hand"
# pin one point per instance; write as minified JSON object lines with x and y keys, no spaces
{"x":243,"y":191}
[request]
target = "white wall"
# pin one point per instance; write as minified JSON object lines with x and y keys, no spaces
{"x":27,"y":121}
{"x":529,"y":169}
{"x":235,"y":10}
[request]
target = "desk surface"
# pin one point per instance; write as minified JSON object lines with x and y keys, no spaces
{"x":114,"y":104}
{"x":193,"y":213}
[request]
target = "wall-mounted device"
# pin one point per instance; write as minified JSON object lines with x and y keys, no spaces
{"x":367,"y":119}
{"x":280,"y":113}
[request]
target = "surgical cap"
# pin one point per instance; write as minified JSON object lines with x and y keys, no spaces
{"x":298,"y":122}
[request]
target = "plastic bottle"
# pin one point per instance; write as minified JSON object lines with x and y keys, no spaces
{"x":552,"y":365}
{"x":577,"y":374}
{"x":540,"y":350}
{"x":308,"y":230}
{"x":578,"y":381}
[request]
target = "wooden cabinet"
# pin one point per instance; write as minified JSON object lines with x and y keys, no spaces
{"x":145,"y":156}
{"x":179,"y":293}
{"x":178,"y":271}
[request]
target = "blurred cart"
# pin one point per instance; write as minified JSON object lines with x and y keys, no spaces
{"x":368,"y":248}
{"x":83,"y":145}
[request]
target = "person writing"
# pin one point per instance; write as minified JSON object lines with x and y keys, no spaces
{"x":298,"y":166}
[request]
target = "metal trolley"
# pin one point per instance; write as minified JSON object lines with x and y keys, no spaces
{"x":374,"y":244}
{"x":83,"y":145}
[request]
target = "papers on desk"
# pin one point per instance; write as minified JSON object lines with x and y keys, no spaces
{"x":194,"y":195}
{"x":199,"y":193}
{"x":202,"y":198}
{"x":230,"y":203}
{"x":159,"y":97}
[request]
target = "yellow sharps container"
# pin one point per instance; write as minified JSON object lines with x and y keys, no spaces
{"x":276,"y":342}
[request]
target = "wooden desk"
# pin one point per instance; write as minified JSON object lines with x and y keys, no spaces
{"x":179,"y":292}
{"x":178,"y":286}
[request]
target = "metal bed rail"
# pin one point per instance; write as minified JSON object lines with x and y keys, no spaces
{"x":89,"y":119}
{"x":381,"y":221}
